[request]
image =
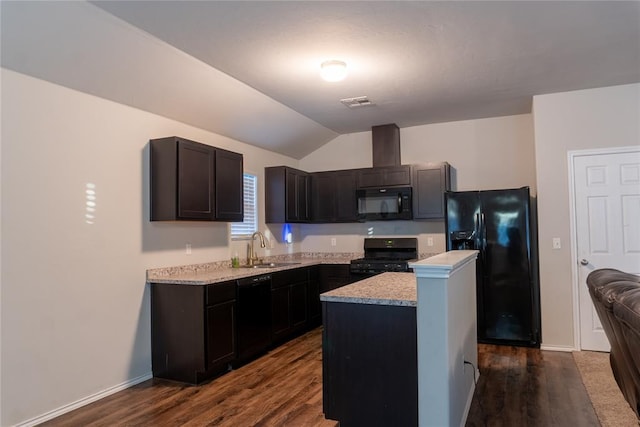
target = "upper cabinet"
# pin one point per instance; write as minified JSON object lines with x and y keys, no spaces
{"x":385,"y":176}
{"x":229,"y":186}
{"x":430,"y":181}
{"x":194,"y":181}
{"x":288,"y":195}
{"x":334,"y":196}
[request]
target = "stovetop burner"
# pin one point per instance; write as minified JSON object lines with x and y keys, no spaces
{"x":386,"y":255}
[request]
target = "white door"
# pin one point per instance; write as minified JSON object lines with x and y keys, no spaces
{"x":607,"y":215}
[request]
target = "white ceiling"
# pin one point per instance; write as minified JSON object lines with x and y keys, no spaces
{"x":249,"y":70}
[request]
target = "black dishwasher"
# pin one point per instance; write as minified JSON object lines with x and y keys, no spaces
{"x":253,"y":316}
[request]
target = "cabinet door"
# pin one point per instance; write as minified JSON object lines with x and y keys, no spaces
{"x":275,"y":197}
{"x":280,"y":323}
{"x":195,"y":180}
{"x":398,"y":175}
{"x":229,"y":186}
{"x":345,"y":196}
{"x":298,"y":304}
{"x":303,"y":193}
{"x":371,"y":177}
{"x":430,"y":181}
{"x":324,"y":196}
{"x":291,"y":196}
{"x":384,"y":176}
{"x":221,"y":343}
{"x":313,"y":297}
{"x":297,"y":199}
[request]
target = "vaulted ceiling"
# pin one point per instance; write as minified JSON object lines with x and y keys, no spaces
{"x":249,"y":70}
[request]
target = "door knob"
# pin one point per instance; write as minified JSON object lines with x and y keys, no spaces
{"x":584,"y":262}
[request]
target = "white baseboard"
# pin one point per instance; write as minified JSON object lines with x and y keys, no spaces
{"x":467,"y":406}
{"x":84,"y":401}
{"x":557,"y":348}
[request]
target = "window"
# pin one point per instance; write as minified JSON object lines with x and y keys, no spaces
{"x":246,"y":228}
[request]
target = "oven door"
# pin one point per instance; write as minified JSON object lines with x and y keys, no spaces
{"x":384,"y":204}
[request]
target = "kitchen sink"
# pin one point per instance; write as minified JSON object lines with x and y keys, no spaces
{"x":271,"y":264}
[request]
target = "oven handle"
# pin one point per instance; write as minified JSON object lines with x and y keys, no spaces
{"x":399,"y":202}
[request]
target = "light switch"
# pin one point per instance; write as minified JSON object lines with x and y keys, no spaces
{"x":429,"y":241}
{"x":556,"y":243}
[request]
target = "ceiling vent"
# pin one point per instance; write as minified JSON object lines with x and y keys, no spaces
{"x":358,"y":101}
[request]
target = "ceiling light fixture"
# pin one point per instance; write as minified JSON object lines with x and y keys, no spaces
{"x":333,"y":70}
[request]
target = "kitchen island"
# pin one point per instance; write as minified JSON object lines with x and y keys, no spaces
{"x":370,"y":352}
{"x":400,"y":348}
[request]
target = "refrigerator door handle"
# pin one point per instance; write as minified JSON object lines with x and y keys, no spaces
{"x":478,"y":234}
{"x":483,"y":235}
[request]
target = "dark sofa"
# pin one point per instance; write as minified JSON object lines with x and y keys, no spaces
{"x":616,"y":297}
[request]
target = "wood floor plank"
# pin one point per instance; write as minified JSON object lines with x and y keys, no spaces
{"x":517,"y":387}
{"x":521,"y":386}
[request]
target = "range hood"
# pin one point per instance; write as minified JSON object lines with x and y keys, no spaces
{"x":386,"y":145}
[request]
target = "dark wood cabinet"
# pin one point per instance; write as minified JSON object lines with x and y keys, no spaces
{"x":289,"y":303}
{"x":430,"y":181}
{"x":194,"y":181}
{"x":362,"y":384}
{"x":387,"y":176}
{"x":192,"y":330}
{"x":385,"y":141}
{"x":220,"y":333}
{"x":229,"y":186}
{"x":313,"y":294}
{"x":288,"y":195}
{"x":334,"y":196}
{"x":333,"y":276}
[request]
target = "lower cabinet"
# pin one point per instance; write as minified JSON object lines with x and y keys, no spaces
{"x":194,"y":327}
{"x":333,"y":276}
{"x":192,"y":330}
{"x":221,"y":343}
{"x":289,"y":303}
{"x":313,"y":295}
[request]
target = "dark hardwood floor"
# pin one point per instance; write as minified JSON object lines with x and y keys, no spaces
{"x":517,"y":387}
{"x":528,"y":387}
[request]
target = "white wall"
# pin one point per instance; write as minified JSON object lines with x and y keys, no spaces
{"x":486,"y":154}
{"x":75,"y":308}
{"x":447,"y":337}
{"x":587,"y":119}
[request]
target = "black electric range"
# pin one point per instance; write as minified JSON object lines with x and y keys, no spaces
{"x":386,"y":254}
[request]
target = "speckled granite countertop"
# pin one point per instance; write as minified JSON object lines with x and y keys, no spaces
{"x":383,"y":289}
{"x":215,"y":272}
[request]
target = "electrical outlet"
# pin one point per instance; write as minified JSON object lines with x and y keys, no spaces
{"x":429,"y":241}
{"x":556,"y":243}
{"x":188,"y":249}
{"x":333,"y":241}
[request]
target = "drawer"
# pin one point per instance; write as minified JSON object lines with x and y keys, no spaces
{"x":221,"y":292}
{"x":288,"y":277}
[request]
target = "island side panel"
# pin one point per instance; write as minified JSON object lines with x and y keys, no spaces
{"x":370,"y":364}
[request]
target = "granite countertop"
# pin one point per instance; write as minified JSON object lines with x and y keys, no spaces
{"x":383,"y":289}
{"x":215,"y":272}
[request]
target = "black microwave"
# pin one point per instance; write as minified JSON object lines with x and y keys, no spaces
{"x":381,"y":204}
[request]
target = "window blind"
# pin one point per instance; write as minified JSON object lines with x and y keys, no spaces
{"x":246,"y":228}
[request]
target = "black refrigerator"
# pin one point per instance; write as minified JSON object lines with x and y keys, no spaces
{"x":501,"y":225}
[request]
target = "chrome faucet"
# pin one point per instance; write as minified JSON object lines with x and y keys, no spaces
{"x":252,"y":253}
